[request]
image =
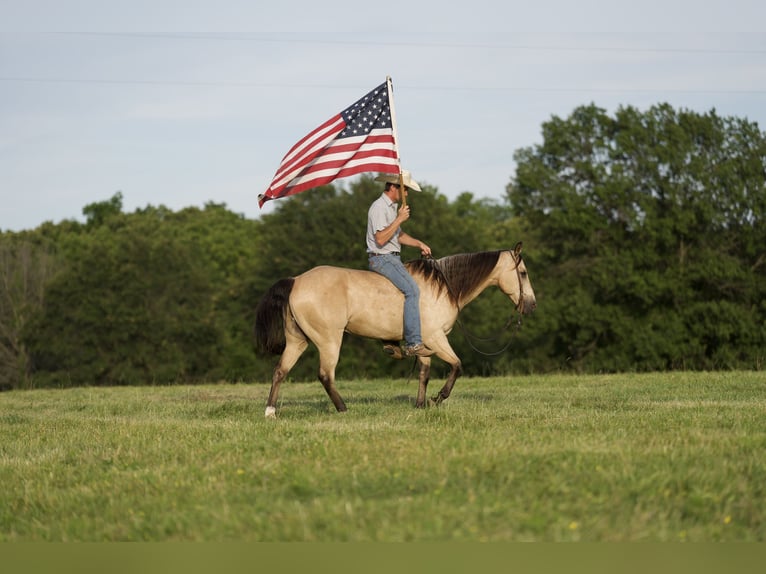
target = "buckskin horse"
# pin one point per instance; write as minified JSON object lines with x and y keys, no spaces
{"x":324,"y":302}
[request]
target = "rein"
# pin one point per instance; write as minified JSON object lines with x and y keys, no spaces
{"x":468,"y":336}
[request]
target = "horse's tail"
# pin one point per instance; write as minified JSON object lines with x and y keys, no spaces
{"x":270,"y":317}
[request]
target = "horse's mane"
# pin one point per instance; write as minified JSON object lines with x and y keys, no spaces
{"x":457,"y":274}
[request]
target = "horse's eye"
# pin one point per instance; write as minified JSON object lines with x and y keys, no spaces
{"x":524,"y":274}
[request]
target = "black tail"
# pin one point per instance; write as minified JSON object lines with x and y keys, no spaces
{"x":270,"y":317}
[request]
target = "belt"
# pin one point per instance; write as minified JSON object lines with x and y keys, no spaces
{"x":371,"y":254}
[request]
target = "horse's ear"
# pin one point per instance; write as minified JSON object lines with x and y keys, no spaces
{"x":517,"y":249}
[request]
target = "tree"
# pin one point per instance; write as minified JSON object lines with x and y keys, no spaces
{"x":133,"y":307}
{"x":651,"y":235}
{"x":25,"y":269}
{"x":98,"y":213}
{"x":228,"y":246}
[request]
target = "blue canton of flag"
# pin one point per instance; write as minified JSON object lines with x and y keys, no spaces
{"x":372,"y":111}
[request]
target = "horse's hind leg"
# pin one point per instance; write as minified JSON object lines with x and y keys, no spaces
{"x":294,"y":348}
{"x":328,"y":360}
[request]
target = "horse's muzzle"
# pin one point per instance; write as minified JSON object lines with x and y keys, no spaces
{"x":526,"y":305}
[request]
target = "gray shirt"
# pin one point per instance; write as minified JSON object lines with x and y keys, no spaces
{"x":381,"y":214}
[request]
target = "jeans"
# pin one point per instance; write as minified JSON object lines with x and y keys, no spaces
{"x":391,"y":267}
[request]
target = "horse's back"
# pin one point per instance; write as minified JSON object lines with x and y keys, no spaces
{"x":328,"y":277}
{"x":360,"y":301}
{"x":342,"y":287}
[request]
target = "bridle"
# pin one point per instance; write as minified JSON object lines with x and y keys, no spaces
{"x":518,"y":260}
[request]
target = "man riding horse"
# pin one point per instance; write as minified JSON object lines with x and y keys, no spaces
{"x":384,"y":240}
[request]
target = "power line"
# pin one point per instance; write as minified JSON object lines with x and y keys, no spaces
{"x":281,"y":39}
{"x":472,"y":88}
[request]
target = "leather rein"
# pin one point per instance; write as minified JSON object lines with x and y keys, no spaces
{"x":468,"y":336}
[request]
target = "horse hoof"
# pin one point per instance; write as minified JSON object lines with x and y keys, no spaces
{"x":394,"y":351}
{"x":271,"y":413}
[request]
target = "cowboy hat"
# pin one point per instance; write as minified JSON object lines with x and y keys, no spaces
{"x":409,"y":183}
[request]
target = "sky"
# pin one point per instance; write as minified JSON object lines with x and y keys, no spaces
{"x":184,"y":102}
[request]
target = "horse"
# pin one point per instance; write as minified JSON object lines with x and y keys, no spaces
{"x":324,"y":302}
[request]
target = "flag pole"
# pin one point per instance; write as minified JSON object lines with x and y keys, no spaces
{"x":402,"y":196}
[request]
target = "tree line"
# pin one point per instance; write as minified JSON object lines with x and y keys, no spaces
{"x":643,"y":234}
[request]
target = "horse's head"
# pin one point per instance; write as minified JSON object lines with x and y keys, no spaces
{"x":513,"y":280}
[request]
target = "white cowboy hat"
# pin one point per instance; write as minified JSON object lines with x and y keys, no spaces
{"x":409,"y":183}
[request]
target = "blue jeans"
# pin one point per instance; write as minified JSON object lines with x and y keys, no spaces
{"x":391,"y":267}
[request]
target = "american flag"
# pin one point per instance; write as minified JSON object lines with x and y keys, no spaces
{"x":358,"y":139}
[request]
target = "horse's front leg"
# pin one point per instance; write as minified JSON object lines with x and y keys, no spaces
{"x":425,"y":373}
{"x":446,"y":390}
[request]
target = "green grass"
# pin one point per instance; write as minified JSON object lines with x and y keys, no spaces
{"x":656,"y":457}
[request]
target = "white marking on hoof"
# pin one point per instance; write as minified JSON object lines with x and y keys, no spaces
{"x":271,"y":412}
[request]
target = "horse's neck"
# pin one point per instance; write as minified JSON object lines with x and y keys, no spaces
{"x":467,"y":296}
{"x":470,"y":296}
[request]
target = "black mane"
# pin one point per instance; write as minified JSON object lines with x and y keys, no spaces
{"x":457,"y":274}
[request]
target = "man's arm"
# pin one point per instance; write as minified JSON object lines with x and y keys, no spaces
{"x":384,"y":235}
{"x":406,"y":239}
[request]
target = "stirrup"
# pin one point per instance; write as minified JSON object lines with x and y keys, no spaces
{"x":419,"y":350}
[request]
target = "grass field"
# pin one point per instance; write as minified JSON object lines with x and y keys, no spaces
{"x":654,"y":457}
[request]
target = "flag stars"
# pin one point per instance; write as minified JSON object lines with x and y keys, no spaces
{"x":371,"y":112}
